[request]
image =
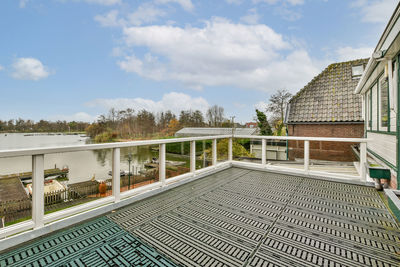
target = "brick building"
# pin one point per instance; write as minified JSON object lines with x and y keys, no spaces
{"x":328,"y":107}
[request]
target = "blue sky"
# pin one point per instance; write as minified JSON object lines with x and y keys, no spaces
{"x":75,"y":59}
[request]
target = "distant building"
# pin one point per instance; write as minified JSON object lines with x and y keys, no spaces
{"x":251,"y":125}
{"x":189,"y":132}
{"x":328,"y":107}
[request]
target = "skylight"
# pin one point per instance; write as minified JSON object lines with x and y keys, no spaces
{"x":357,"y":71}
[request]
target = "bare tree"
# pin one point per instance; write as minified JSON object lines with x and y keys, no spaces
{"x":215,"y":116}
{"x":278,"y":102}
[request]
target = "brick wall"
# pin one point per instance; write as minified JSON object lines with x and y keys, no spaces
{"x":334,"y":151}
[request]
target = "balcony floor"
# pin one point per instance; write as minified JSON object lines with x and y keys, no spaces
{"x":235,"y":217}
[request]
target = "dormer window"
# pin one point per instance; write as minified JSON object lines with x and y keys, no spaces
{"x":357,"y":71}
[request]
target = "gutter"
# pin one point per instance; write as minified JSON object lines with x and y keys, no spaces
{"x":398,"y":125}
{"x":287,"y":112}
{"x":364,"y":77}
{"x":373,"y":62}
{"x":325,"y":122}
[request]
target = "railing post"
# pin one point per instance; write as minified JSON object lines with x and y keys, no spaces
{"x":230,"y":147}
{"x":38,"y":190}
{"x":161,"y":167}
{"x":363,"y":161}
{"x":116,"y":174}
{"x":306,"y":155}
{"x":192,"y":156}
{"x":263,"y":151}
{"x":214,"y":152}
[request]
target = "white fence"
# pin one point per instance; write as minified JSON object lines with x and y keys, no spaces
{"x":46,"y":223}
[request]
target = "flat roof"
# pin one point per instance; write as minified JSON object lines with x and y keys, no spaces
{"x":236,"y":217}
{"x":188,"y":131}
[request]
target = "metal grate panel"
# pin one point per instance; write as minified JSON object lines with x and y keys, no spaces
{"x":253,"y":218}
{"x":99,"y":242}
{"x":235,"y":217}
{"x":331,"y":224}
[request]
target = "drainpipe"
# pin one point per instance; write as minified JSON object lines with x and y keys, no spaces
{"x":287,"y":144}
{"x":285,"y":122}
{"x":398,"y":124}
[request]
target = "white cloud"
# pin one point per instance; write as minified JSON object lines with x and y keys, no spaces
{"x":236,"y":2}
{"x":145,"y":13}
{"x":80,"y":116}
{"x":284,"y":8}
{"x":104,"y":2}
{"x":219,"y":54}
{"x":22,"y":3}
{"x":29,"y":69}
{"x":375,"y":11}
{"x":349,"y":53}
{"x":296,"y":2}
{"x":185,"y":4}
{"x":251,"y":17}
{"x":272,"y":2}
{"x":172,"y":101}
{"x":109,"y":20}
{"x":261,"y":106}
{"x":1,"y":68}
{"x":287,"y":13}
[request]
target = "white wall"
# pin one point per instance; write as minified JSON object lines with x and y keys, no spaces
{"x":273,"y":152}
{"x":384,"y":145}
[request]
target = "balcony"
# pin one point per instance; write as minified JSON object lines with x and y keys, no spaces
{"x":229,"y":214}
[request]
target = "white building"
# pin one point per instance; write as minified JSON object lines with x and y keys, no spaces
{"x":379,"y":87}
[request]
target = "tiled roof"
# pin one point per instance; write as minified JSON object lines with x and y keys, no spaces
{"x":329,"y":97}
{"x":214,"y":131}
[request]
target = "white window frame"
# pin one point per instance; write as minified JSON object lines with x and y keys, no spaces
{"x":355,"y":76}
{"x":379,"y":106}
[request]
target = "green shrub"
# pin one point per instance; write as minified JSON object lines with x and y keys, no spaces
{"x":105,"y":137}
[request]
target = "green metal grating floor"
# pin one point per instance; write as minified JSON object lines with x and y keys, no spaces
{"x":235,"y":217}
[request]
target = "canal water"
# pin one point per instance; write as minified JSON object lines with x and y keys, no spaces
{"x":83,"y":166}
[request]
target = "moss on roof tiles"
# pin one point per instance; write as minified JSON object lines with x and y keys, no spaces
{"x":333,"y":85}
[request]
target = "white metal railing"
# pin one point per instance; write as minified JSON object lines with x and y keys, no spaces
{"x":307,"y":140}
{"x":39,"y":219}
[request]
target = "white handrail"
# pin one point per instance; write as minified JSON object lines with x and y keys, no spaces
{"x":63,"y":149}
{"x":39,"y":219}
{"x":304,"y":138}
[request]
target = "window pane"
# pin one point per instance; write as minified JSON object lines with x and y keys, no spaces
{"x":357,"y":70}
{"x":384,"y":102}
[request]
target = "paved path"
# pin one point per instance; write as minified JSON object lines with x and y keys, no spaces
{"x":235,"y":217}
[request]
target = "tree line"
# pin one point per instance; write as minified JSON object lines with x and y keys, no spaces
{"x":25,"y":126}
{"x":128,"y":123}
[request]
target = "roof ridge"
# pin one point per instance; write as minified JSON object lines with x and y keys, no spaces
{"x":350,"y":61}
{"x":327,"y":96}
{"x":322,"y":72}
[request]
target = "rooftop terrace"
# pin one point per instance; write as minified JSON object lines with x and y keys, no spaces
{"x":234,"y":217}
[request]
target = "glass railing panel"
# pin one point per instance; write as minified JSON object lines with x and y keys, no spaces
{"x":203,"y":154}
{"x":246,"y":150}
{"x":139,"y":166}
{"x":222,"y":150}
{"x":78,"y":178}
{"x":15,"y":190}
{"x":177,"y":159}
